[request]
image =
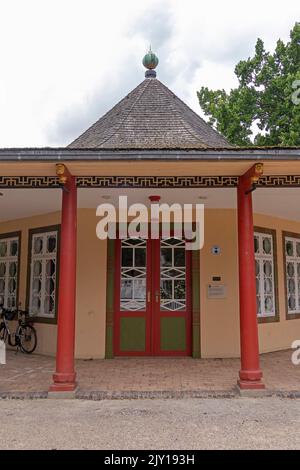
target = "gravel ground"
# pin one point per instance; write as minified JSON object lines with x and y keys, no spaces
{"x":265,"y":423}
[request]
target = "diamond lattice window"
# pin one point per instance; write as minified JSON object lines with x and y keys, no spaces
{"x":133,"y":275}
{"x":43,"y":274}
{"x":9,"y":254}
{"x":292,"y":256}
{"x":173,"y":275}
{"x":264,"y":272}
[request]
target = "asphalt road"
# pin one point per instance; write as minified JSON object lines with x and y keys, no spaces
{"x":240,"y":423}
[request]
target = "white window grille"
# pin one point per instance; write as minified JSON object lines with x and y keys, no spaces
{"x":133,"y":274}
{"x":292,"y":257}
{"x":9,"y":259}
{"x":264,"y":272}
{"x":172,"y":275}
{"x":43,"y":274}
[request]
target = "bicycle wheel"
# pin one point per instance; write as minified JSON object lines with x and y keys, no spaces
{"x":3,"y":333}
{"x":28,"y":338}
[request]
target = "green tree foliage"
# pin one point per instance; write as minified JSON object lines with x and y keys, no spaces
{"x":267,"y":98}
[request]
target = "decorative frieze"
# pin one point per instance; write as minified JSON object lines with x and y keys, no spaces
{"x":157,"y":181}
{"x":41,"y":182}
{"x":21,"y":182}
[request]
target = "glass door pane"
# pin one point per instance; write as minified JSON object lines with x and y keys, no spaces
{"x":172,"y":275}
{"x":133,"y":275}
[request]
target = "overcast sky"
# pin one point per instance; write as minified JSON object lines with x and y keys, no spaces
{"x":63,"y":63}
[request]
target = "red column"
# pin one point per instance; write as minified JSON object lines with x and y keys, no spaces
{"x":250,"y":374}
{"x":64,"y":376}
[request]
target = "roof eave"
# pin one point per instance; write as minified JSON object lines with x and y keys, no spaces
{"x":216,"y":154}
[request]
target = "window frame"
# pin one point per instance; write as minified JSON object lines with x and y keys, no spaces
{"x":17,"y":234}
{"x":274,"y":318}
{"x":296,"y":236}
{"x":31,"y":233}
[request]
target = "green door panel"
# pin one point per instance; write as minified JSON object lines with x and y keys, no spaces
{"x":173,"y":334}
{"x":132,"y":334}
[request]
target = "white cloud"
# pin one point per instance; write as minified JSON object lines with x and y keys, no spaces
{"x":65,"y":62}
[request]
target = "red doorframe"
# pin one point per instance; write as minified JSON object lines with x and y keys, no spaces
{"x":147,"y":314}
{"x":152,"y":314}
{"x":158,"y":313}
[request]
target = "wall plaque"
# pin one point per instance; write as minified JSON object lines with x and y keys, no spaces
{"x":216,"y":291}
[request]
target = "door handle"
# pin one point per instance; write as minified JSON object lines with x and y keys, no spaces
{"x":156,"y":296}
{"x":149,"y":296}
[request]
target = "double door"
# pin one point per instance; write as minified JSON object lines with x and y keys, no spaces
{"x":152,"y":298}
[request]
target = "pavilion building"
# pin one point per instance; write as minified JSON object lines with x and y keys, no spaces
{"x":237,"y":296}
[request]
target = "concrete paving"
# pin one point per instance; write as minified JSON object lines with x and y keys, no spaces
{"x":239,"y":423}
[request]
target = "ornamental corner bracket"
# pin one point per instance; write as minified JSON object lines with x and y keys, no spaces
{"x":64,"y":176}
{"x":251,"y":177}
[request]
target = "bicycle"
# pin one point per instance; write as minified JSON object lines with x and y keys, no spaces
{"x":25,"y":337}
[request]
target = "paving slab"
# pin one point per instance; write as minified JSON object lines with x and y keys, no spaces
{"x":148,"y":377}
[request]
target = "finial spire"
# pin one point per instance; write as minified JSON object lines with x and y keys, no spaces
{"x":150,"y":62}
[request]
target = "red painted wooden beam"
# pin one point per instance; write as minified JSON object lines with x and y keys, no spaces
{"x":250,"y":376}
{"x":64,"y":378}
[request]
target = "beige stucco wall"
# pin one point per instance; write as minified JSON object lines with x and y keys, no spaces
{"x":91,"y":288}
{"x":219,"y":318}
{"x":91,"y":284}
{"x":273,"y":336}
{"x":46,"y":333}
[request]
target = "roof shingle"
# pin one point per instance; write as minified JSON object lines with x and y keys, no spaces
{"x":150,"y":117}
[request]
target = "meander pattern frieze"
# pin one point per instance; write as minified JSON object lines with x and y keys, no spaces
{"x":21,"y":182}
{"x":284,"y":181}
{"x":157,"y":181}
{"x":40,"y":182}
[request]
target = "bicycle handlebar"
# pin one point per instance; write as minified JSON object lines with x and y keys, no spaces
{"x":11,"y":314}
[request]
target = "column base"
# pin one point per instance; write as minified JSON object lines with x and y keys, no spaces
{"x":63,"y":387}
{"x":251,"y":385}
{"x":250,"y":380}
{"x":252,"y":375}
{"x":63,"y":382}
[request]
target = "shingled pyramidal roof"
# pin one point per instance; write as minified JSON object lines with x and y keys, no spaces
{"x":150,"y":117}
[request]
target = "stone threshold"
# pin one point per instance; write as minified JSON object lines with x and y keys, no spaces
{"x":163,"y":394}
{"x":23,"y":395}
